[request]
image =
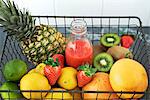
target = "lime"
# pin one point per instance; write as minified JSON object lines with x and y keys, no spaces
{"x":14,"y":70}
{"x":10,"y":95}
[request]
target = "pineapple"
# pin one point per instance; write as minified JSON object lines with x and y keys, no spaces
{"x":37,"y":42}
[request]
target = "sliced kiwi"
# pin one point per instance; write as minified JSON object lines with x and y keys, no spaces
{"x":103,"y":62}
{"x":110,"y":39}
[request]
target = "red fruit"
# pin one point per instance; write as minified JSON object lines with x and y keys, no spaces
{"x":83,"y":79}
{"x":52,"y":70}
{"x":85,"y":74}
{"x":127,"y":41}
{"x":52,"y":73}
{"x":60,"y":58}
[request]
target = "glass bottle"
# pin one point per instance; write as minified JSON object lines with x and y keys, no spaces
{"x":79,"y":49}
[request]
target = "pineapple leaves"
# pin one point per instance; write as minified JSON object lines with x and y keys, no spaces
{"x":12,"y":7}
{"x":13,"y":19}
{"x":16,"y":22}
{"x":1,"y":20}
{"x":4,"y":10}
{"x":15,"y":8}
{"x":4,"y":14}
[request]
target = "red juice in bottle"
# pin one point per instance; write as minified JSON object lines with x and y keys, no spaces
{"x":79,"y":49}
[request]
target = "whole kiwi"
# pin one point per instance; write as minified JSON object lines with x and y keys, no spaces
{"x":98,"y":48}
{"x":118,"y":52}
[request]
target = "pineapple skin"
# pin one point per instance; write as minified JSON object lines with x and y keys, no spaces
{"x":37,"y":42}
{"x":45,"y":42}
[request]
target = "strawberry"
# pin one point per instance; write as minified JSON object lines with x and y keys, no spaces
{"x":60,"y":58}
{"x":84,"y":75}
{"x":52,"y":70}
{"x":127,"y":41}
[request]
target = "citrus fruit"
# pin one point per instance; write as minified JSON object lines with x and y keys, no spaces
{"x":67,"y":79}
{"x":59,"y":95}
{"x":39,"y":69}
{"x":32,"y":71}
{"x":100,"y":82}
{"x":128,"y":75}
{"x":34,"y":81}
{"x":10,"y":95}
{"x":77,"y":95}
{"x":14,"y":70}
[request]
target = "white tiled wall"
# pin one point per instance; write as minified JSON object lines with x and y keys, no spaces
{"x":37,"y":7}
{"x":138,"y":8}
{"x":78,"y":7}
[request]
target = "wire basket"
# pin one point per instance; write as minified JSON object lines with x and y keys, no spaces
{"x":97,"y":26}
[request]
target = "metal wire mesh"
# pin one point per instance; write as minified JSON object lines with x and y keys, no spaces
{"x":97,"y":26}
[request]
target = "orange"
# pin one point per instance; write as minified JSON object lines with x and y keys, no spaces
{"x":100,"y":82}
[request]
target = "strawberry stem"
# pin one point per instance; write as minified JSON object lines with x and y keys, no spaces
{"x":89,"y":71}
{"x":50,"y":61}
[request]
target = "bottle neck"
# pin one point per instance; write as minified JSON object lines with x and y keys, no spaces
{"x":79,"y":33}
{"x":79,"y":36}
{"x":78,"y":27}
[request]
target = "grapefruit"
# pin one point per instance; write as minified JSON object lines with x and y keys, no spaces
{"x":128,"y":75}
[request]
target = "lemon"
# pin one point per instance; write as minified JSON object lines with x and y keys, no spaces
{"x":32,"y":71}
{"x":59,"y":95}
{"x":34,"y":81}
{"x":68,"y":79}
{"x":39,"y":69}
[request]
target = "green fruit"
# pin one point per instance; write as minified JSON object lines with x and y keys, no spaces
{"x":14,"y":70}
{"x":10,"y":95}
{"x":103,"y":62}
{"x":110,"y":39}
